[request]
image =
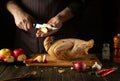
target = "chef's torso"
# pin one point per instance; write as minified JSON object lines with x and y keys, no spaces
{"x":43,"y":10}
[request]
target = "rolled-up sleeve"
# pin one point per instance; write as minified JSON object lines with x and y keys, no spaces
{"x":76,"y":6}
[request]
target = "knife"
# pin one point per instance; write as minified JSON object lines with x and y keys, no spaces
{"x":37,"y":25}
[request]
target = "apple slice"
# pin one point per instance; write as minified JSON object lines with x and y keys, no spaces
{"x":21,"y":57}
{"x":9,"y":59}
{"x":39,"y":58}
{"x":44,"y":29}
{"x":44,"y":59}
{"x":27,"y":61}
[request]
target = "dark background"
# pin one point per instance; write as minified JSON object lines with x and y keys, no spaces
{"x":99,"y":20}
{"x":7,"y":29}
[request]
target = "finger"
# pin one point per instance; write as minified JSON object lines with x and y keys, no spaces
{"x":41,"y":34}
{"x":20,"y":25}
{"x":52,"y":23}
{"x":28,"y":26}
{"x":47,"y":34}
{"x":30,"y":23}
{"x":38,"y":33}
{"x":25,"y":26}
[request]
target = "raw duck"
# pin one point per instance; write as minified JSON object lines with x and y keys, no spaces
{"x":67,"y":49}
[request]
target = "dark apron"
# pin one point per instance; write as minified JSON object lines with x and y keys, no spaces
{"x":42,"y":12}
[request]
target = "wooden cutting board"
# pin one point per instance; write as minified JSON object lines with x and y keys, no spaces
{"x":89,"y":59}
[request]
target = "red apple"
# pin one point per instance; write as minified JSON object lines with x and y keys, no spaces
{"x":4,"y":53}
{"x":31,"y":60}
{"x":18,"y":51}
{"x":19,"y":54}
{"x":38,"y":59}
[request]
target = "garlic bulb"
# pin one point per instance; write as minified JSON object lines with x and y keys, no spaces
{"x":96,"y":66}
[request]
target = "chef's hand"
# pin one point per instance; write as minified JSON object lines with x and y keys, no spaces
{"x":23,"y":20}
{"x":54,"y":22}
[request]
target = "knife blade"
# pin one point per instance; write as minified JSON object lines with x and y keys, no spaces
{"x":37,"y":25}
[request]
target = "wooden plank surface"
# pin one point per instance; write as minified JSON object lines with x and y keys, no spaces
{"x":52,"y":73}
{"x":89,"y":59}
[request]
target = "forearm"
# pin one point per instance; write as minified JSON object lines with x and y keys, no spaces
{"x":22,"y":19}
{"x":13,"y":8}
{"x":73,"y":9}
{"x":65,"y":15}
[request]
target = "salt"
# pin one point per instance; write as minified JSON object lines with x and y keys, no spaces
{"x":106,"y":51}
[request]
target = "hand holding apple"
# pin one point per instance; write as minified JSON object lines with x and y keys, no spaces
{"x":19,"y":54}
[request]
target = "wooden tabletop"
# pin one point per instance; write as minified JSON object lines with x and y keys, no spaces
{"x":10,"y":71}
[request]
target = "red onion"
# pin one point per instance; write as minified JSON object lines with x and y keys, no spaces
{"x":79,"y":66}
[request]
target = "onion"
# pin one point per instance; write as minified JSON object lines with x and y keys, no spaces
{"x":79,"y":66}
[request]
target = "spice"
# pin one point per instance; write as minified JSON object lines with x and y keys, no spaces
{"x":105,"y":72}
{"x":106,"y":51}
{"x":116,"y":40}
{"x":101,"y":71}
{"x":108,"y":72}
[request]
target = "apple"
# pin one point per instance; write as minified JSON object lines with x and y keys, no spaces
{"x":21,"y":57}
{"x":44,"y":59}
{"x":4,"y":53}
{"x":31,"y":60}
{"x":38,"y":58}
{"x":18,"y":51}
{"x":44,"y":29}
{"x":19,"y":54}
{"x":9,"y":59}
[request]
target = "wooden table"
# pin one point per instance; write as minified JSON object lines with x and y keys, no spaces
{"x":54,"y":73}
